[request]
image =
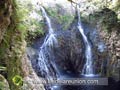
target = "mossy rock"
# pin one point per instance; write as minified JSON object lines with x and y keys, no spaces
{"x":105,"y":15}
{"x":60,"y":16}
{"x":107,"y":18}
{"x":3,"y":83}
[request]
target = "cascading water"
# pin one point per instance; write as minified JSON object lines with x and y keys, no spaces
{"x":49,"y":69}
{"x":88,"y":67}
{"x":44,"y":61}
{"x":48,"y":20}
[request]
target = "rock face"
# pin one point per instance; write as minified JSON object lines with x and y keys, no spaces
{"x":112,"y":40}
{"x":99,"y":50}
{"x":69,"y":56}
{"x":30,"y":81}
{"x":109,"y":32}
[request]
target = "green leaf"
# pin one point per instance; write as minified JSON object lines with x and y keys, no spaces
{"x":2,"y":68}
{"x":17,"y":80}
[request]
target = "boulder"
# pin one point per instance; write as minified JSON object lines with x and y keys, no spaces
{"x":3,"y":83}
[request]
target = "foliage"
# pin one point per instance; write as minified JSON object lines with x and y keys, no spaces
{"x":2,"y":68}
{"x":28,"y":20}
{"x":1,"y":85}
{"x":66,"y":20}
{"x":106,"y":17}
{"x":17,"y":80}
{"x":62,"y":17}
{"x":12,"y":46}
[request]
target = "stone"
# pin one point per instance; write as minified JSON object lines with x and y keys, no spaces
{"x":3,"y":83}
{"x":30,"y":81}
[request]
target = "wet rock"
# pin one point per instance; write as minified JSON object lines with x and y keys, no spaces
{"x":69,"y":54}
{"x":112,"y":41}
{"x":99,"y":49}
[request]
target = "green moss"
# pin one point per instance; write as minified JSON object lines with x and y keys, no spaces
{"x":37,"y":31}
{"x":52,"y":12}
{"x":1,"y":85}
{"x":106,"y":17}
{"x":63,"y":18}
{"x":12,"y":47}
{"x":14,"y":55}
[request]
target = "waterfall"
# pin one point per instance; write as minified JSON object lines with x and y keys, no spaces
{"x":88,"y":67}
{"x":47,"y":20}
{"x":45,"y":59}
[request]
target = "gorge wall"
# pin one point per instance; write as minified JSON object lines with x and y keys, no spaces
{"x":104,"y":16}
{"x":16,"y":72}
{"x":16,"y":38}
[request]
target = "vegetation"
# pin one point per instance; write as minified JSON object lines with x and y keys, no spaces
{"x":106,"y":17}
{"x":29,"y":20}
{"x":17,"y":80}
{"x":1,"y":85}
{"x":27,"y":24}
{"x":2,"y":68}
{"x":62,"y":18}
